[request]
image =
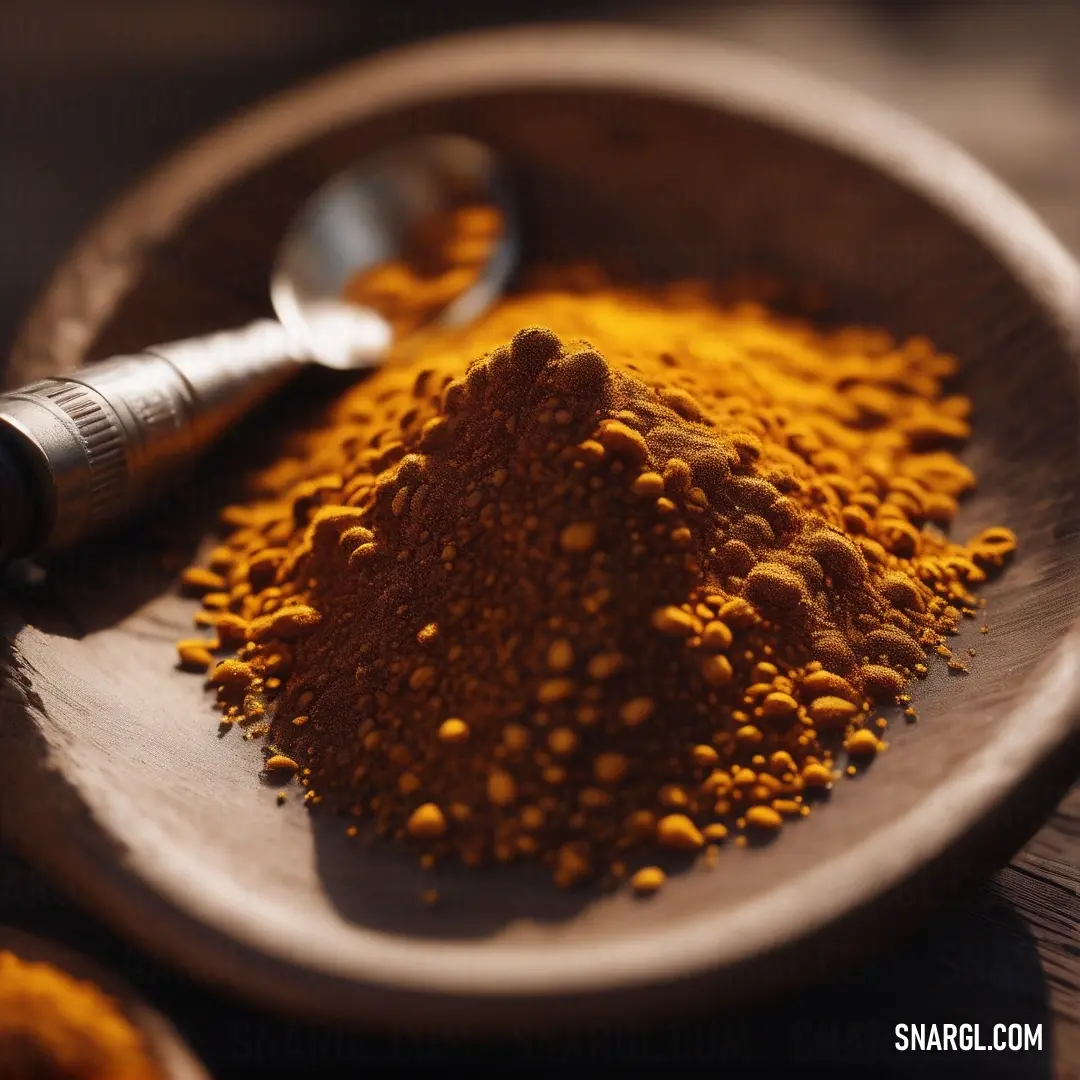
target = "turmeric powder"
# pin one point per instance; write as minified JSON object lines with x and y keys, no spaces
{"x":52,"y":1025}
{"x":611,"y":567}
{"x":443,"y":256}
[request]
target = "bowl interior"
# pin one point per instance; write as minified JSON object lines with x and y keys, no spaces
{"x":166,"y":824}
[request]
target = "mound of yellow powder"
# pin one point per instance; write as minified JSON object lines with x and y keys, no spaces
{"x":610,"y":569}
{"x":54,"y":1027}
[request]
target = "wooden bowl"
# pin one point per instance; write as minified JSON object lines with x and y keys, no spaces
{"x":163,"y":1045}
{"x":662,"y":155}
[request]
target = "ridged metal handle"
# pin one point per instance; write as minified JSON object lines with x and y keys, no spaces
{"x":81,"y":452}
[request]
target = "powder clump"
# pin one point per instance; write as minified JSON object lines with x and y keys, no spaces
{"x":53,"y":1025}
{"x":633,"y":574}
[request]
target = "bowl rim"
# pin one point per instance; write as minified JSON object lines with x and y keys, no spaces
{"x":664,"y":64}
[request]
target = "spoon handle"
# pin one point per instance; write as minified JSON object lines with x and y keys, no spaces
{"x":79,"y":452}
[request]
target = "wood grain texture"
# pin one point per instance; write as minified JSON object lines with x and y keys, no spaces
{"x":595,"y":167}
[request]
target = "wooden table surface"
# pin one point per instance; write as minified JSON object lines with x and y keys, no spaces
{"x":1008,"y":952}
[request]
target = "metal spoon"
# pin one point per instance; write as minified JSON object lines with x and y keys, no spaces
{"x":82,"y":451}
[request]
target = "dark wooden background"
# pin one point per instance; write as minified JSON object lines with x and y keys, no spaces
{"x":91,"y":94}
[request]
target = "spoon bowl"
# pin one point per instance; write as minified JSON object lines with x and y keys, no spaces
{"x":361,"y":218}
